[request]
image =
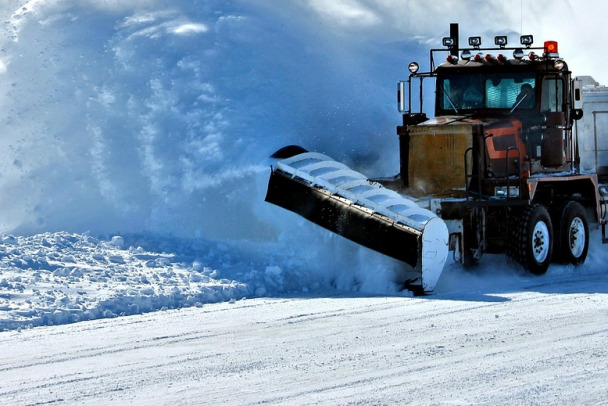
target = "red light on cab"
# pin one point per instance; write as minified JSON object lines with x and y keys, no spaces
{"x":551,"y":47}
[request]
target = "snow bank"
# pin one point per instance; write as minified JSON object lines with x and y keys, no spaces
{"x":59,"y":278}
{"x":62,"y":278}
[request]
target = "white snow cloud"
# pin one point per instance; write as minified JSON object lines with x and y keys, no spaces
{"x":123,"y":116}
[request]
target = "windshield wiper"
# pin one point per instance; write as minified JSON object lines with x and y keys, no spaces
{"x":449,"y":99}
{"x":519,"y":102}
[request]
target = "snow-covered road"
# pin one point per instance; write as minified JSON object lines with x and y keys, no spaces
{"x":545,"y":344}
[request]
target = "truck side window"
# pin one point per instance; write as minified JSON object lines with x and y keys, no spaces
{"x":552,"y":95}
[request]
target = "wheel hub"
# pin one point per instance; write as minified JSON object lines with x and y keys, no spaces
{"x":576,"y":237}
{"x":540,"y":241}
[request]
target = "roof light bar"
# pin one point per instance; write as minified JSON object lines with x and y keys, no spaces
{"x":551,"y":50}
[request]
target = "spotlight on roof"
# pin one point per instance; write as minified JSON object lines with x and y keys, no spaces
{"x":501,"y":40}
{"x":526,"y":40}
{"x":475,"y":42}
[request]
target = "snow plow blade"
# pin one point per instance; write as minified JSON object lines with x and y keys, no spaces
{"x":344,"y":201}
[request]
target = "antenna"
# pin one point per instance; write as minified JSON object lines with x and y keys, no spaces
{"x":521,"y":17}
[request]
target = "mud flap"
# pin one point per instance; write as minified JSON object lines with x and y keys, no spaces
{"x":343,"y":201}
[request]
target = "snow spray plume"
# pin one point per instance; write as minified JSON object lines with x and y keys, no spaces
{"x":154,"y":118}
{"x":159,"y":116}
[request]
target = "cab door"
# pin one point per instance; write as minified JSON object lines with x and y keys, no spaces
{"x":555,"y":128}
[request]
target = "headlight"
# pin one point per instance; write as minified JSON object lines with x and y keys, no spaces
{"x":501,"y":191}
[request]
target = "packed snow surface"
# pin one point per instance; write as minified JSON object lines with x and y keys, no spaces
{"x":133,"y":165}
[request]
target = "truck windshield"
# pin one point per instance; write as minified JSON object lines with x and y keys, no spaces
{"x":468,"y":92}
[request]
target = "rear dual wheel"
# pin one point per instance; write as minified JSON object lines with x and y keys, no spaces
{"x":571,"y":233}
{"x":531,"y":242}
{"x":538,"y":238}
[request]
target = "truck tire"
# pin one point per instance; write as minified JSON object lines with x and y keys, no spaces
{"x":571,"y":234}
{"x":531,"y":242}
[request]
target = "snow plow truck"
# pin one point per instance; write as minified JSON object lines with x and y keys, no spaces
{"x":497,"y":169}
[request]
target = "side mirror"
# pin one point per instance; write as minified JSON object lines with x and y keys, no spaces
{"x":401,"y":97}
{"x":577,"y":87}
